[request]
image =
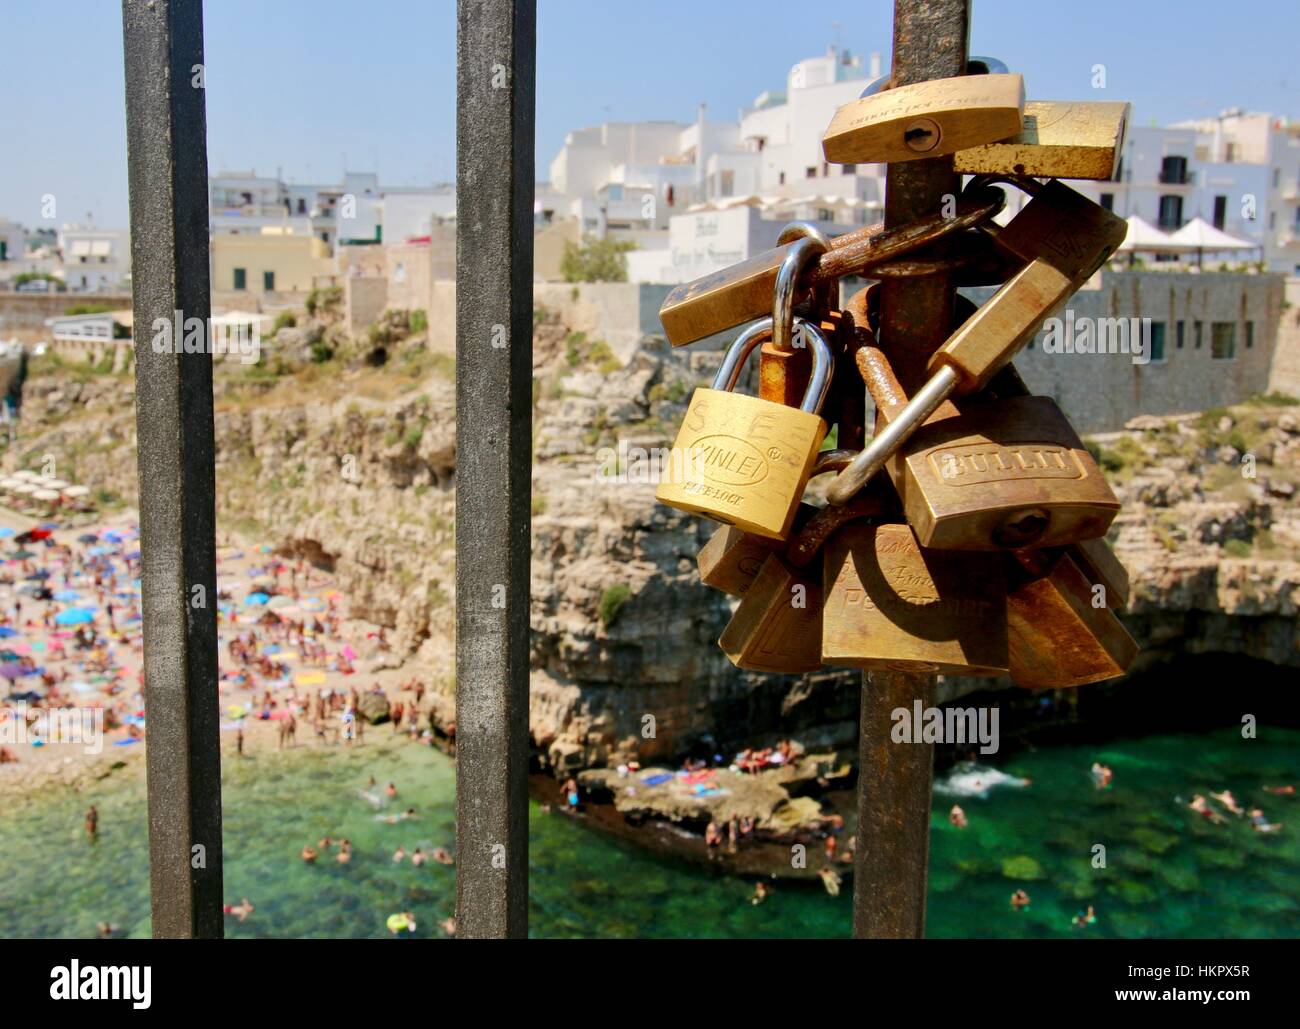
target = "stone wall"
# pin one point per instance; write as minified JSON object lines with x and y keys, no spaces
{"x":23,"y":315}
{"x":365,"y":299}
{"x":1101,"y":392}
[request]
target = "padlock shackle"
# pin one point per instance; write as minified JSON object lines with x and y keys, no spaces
{"x":819,"y":381}
{"x":803,"y":251}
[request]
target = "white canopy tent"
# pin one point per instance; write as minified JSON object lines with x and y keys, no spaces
{"x":1200,"y":236}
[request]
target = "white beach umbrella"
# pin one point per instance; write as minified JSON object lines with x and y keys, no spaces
{"x":46,"y":494}
{"x":75,"y":491}
{"x":1201,"y":236}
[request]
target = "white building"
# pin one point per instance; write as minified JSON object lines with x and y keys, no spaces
{"x":350,"y":212}
{"x":94,"y":260}
{"x":408,"y":214}
{"x":13,"y":242}
{"x":650,"y":181}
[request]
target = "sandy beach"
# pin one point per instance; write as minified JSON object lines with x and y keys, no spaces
{"x":73,"y":710}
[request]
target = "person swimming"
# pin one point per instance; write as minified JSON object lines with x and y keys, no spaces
{"x":403,"y":921}
{"x":399,"y":855}
{"x":442,"y":856}
{"x":309,"y":854}
{"x":241,"y":910}
{"x":345,"y":853}
{"x":957,"y":817}
{"x":418,"y":857}
{"x":1087,"y":918}
{"x":1202,"y":807}
{"x":831,"y":880}
{"x":1261,"y":824}
{"x":1020,"y":900}
{"x":1101,"y":775}
{"x":1228,"y":801}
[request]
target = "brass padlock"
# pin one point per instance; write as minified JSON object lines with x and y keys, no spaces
{"x":1075,"y":139}
{"x":926,"y":119}
{"x":992,"y":474}
{"x":743,"y":460}
{"x":777,"y":626}
{"x":731,"y":558}
{"x":889,"y":603}
{"x":1065,"y":237}
{"x":1061,"y":629}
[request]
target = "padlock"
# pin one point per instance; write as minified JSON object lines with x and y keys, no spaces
{"x":926,"y":119}
{"x":784,"y":363}
{"x":991,"y":474}
{"x":777,"y":626}
{"x":1061,"y":631}
{"x":731,"y":558}
{"x":1065,"y":237}
{"x":742,"y":460}
{"x":722,"y":300}
{"x":1073,"y":139}
{"x":891,"y":604}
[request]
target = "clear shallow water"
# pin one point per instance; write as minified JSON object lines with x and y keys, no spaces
{"x":1169,"y":872}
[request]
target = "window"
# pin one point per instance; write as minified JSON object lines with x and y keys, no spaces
{"x":1179,"y":327}
{"x":302,"y":206}
{"x":1277,"y":175}
{"x":1272,"y":220}
{"x":781,"y":179}
{"x":1250,"y":335}
{"x":241,"y":278}
{"x":1108,"y":201}
{"x":1157,"y":341}
{"x":849,"y":169}
{"x":268,"y":282}
{"x":1220,"y":211}
{"x":1171,"y":212}
{"x":1223,"y":340}
{"x":1173,"y":170}
{"x":826,"y":170}
{"x":1196,"y":332}
{"x":824,"y":214}
{"x":810,"y":172}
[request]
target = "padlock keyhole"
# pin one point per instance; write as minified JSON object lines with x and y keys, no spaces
{"x":922,"y":135}
{"x":1022,"y":528}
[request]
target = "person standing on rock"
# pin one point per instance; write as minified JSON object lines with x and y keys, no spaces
{"x":92,"y":824}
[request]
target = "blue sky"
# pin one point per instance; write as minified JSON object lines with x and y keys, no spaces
{"x":305,"y":85}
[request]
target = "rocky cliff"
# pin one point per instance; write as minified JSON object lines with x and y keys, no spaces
{"x":350,"y":462}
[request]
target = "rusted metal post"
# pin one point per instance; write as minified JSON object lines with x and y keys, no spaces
{"x":496,"y":43}
{"x":931,"y":40}
{"x":168,"y":173}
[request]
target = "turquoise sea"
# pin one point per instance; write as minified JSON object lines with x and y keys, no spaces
{"x":1168,"y":872}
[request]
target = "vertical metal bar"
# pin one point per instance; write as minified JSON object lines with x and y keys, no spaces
{"x":931,"y":40}
{"x":496,"y":50}
{"x":168,"y":175}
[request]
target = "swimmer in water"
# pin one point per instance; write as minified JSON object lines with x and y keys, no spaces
{"x":831,"y":880}
{"x":345,"y":853}
{"x":449,"y":926}
{"x":1101,"y":775}
{"x":1019,"y":900}
{"x":1261,"y":824}
{"x":309,"y":854}
{"x":1202,"y":807}
{"x":241,"y":910}
{"x":957,"y":817}
{"x":1228,"y":801}
{"x":1089,"y":917}
{"x":390,"y":790}
{"x":399,"y":855}
{"x":1281,"y":791}
{"x":442,"y":856}
{"x":418,"y":857}
{"x":761,"y":892}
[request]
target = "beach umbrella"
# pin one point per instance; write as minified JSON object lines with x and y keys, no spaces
{"x":23,"y":473}
{"x":254,"y":599}
{"x":5,"y":531}
{"x":67,"y":595}
{"x":74,"y":616}
{"x":6,"y":632}
{"x":22,"y":555}
{"x":13,"y":670}
{"x":1201,"y":236}
{"x":46,"y":494}
{"x":87,"y":537}
{"x":40,"y":573}
{"x":8,"y":655}
{"x":75,"y":491}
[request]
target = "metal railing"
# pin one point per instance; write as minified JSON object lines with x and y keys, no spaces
{"x":167,"y":156}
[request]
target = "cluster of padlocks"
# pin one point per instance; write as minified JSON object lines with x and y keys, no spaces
{"x":966,"y":536}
